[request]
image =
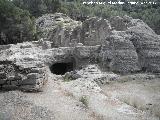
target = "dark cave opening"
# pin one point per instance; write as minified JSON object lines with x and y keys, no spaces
{"x":144,"y":69}
{"x":61,"y":68}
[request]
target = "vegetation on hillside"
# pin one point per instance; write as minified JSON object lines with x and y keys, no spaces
{"x":16,"y":25}
{"x":17,"y":16}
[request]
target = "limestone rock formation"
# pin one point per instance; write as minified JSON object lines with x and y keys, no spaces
{"x":118,"y":23}
{"x":118,"y":54}
{"x":135,"y":48}
{"x":147,"y":45}
{"x":91,"y":72}
{"x":20,"y":69}
{"x":128,"y":45}
{"x":95,"y":30}
{"x":26,"y":65}
{"x":60,"y":29}
{"x":121,"y":44}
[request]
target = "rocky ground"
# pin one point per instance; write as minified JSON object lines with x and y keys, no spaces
{"x":129,"y":97}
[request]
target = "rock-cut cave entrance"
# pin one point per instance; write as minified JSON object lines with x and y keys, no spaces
{"x":62,"y":68}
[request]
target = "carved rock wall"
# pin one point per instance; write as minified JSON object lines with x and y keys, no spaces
{"x":25,"y":66}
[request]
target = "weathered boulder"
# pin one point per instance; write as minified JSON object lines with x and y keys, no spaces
{"x":59,"y":29}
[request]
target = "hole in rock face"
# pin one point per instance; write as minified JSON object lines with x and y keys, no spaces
{"x":144,"y":69}
{"x":61,"y":68}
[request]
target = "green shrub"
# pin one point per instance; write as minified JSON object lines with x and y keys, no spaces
{"x":84,"y":100}
{"x":67,"y":79}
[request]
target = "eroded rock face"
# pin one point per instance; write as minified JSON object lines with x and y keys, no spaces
{"x":26,"y":65}
{"x":133,"y":47}
{"x":118,"y":54}
{"x":25,"y":76}
{"x":60,"y":29}
{"x":95,"y":30}
{"x":118,"y":23}
{"x":147,"y":46}
{"x":128,"y":45}
{"x":121,"y":45}
{"x":91,"y":72}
